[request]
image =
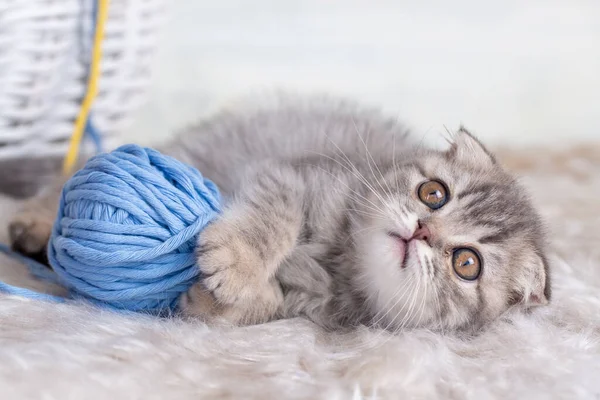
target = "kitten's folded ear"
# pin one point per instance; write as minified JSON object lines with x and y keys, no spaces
{"x":467,"y":149}
{"x":532,"y":283}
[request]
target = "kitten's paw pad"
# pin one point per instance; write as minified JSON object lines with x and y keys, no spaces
{"x":231,"y":269}
{"x":29,"y":232}
{"x":198,"y":302}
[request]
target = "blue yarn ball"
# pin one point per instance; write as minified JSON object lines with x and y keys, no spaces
{"x":126,"y":229}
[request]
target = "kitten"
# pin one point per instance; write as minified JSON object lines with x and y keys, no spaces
{"x":337,"y":215}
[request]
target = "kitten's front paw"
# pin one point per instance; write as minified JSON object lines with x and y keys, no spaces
{"x":232,"y":270}
{"x":198,"y":302}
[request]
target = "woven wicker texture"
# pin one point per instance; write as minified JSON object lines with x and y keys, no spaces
{"x":44,"y":56}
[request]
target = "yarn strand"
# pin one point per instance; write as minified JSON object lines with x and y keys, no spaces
{"x":92,"y":89}
{"x":37,"y":270}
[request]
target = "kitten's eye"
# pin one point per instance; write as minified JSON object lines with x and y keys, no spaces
{"x":433,"y":194}
{"x":466,"y":263}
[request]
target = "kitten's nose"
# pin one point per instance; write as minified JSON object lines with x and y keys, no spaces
{"x":422,"y":233}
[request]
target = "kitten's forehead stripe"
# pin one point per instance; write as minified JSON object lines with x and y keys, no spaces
{"x":481,"y":189}
{"x":496,"y":238}
{"x":502,"y":208}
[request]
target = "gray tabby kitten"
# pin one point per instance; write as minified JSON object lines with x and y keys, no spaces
{"x":338,"y":216}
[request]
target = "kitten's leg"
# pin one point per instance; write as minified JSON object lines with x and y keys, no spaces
{"x":240,"y":252}
{"x":29,"y":229}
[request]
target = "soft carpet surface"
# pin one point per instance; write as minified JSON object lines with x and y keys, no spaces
{"x":54,"y":351}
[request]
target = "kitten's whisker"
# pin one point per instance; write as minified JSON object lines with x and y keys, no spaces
{"x":439,"y":302}
{"x":408,"y":283}
{"x":377,"y":214}
{"x":450,"y":137}
{"x":369,"y":155}
{"x":423,"y":301}
{"x":394,"y":165}
{"x":435,"y":296}
{"x":361,"y":202}
{"x":398,"y":297}
{"x":394,"y":168}
{"x":363,"y":212}
{"x":438,"y":306}
{"x":348,"y":187}
{"x":408,"y":316}
{"x":367,"y":229}
{"x":411,"y":296}
{"x":430,"y":283}
{"x":421,"y":142}
{"x":356,"y":172}
{"x":389,"y":190}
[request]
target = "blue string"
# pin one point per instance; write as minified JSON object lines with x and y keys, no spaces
{"x":36,"y":269}
{"x":91,"y":131}
{"x":126,"y":230}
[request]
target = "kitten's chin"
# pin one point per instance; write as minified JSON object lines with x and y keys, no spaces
{"x":382,"y":275}
{"x":393,"y":278}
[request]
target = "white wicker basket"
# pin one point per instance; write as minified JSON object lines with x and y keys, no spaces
{"x":44,"y":51}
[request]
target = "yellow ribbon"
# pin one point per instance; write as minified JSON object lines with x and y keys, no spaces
{"x":92,"y":89}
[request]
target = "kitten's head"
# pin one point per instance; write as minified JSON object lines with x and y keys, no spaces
{"x":449,"y":240}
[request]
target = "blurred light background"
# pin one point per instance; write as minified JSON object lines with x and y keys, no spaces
{"x":515,"y":72}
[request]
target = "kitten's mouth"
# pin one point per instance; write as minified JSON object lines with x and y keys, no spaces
{"x":401,"y":247}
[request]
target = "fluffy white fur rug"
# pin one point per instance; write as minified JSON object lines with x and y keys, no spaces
{"x":72,"y":352}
